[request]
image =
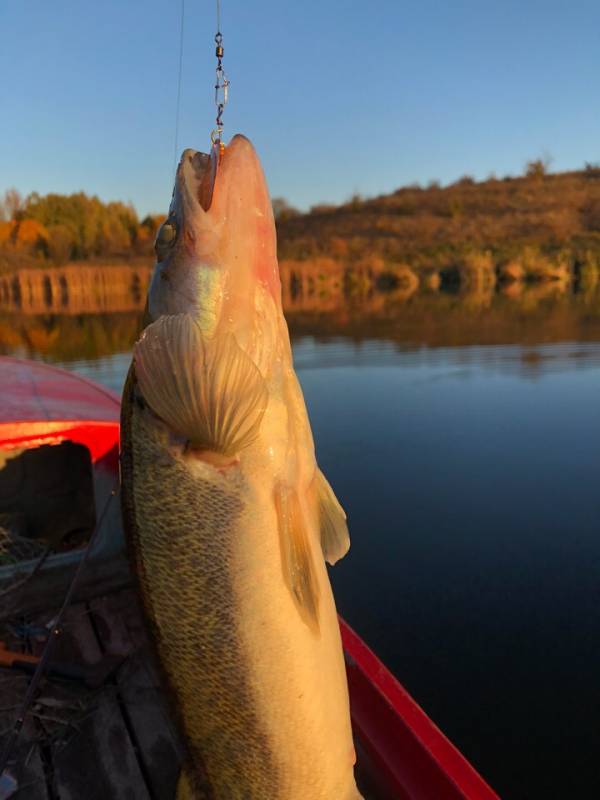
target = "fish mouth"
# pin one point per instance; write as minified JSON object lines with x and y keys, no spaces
{"x":197,"y":175}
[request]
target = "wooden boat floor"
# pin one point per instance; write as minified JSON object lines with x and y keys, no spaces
{"x":114,"y":741}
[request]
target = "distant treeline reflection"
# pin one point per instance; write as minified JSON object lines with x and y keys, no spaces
{"x":75,"y":289}
{"x":78,"y":311}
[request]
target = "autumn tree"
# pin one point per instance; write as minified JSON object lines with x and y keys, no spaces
{"x":61,"y":243}
{"x":84,"y":225}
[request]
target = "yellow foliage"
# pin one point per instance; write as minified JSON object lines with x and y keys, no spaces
{"x":30,"y":232}
{"x":143,"y":234}
{"x":477,"y":261}
{"x":6,"y":231}
{"x":371,"y":261}
{"x":512,"y":271}
{"x":338,"y":247}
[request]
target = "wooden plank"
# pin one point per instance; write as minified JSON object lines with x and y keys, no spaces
{"x":26,"y":763}
{"x":99,"y":762}
{"x":119,"y":624}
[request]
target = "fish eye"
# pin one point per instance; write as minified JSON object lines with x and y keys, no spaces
{"x":167,"y":233}
{"x":166,"y":237}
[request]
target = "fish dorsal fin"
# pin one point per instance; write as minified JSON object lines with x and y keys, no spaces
{"x":207,"y":390}
{"x":335,"y":540}
{"x":296,"y":557}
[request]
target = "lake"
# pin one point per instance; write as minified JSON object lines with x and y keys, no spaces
{"x":462,"y":435}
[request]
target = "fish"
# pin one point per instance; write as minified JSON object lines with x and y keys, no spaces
{"x":228,"y":519}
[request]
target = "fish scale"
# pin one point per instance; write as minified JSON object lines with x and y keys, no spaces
{"x":187,"y":596}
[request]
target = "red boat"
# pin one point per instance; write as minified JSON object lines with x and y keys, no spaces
{"x":401,"y":752}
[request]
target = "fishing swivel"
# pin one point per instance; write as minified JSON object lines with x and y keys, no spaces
{"x":221,"y":94}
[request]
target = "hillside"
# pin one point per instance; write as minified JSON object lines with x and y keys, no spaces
{"x":538,"y":219}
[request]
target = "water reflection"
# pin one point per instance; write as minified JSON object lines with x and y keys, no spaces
{"x":74,"y":290}
{"x":528,"y":362}
{"x":93,"y":312}
{"x":68,"y":337}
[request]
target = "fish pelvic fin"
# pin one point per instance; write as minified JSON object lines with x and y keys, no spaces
{"x":335,"y":539}
{"x":296,"y":557}
{"x":207,"y":390}
{"x":186,"y":789}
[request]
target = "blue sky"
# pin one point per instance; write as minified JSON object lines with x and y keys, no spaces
{"x":338,"y":97}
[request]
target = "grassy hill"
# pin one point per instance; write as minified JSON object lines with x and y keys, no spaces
{"x":539,"y":225}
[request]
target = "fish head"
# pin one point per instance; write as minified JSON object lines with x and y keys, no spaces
{"x":217,"y":247}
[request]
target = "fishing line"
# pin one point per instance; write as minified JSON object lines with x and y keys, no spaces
{"x":179,"y":86}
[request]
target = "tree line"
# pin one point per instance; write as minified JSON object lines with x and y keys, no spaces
{"x":58,"y":228}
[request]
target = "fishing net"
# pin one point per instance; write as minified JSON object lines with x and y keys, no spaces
{"x":15,"y":546}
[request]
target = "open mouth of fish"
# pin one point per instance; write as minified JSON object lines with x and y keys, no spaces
{"x":198,"y":174}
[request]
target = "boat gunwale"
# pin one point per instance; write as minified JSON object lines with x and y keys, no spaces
{"x":367,"y":674}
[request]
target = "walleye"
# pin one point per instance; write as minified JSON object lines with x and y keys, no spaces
{"x":228,"y":519}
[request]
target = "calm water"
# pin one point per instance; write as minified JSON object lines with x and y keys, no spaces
{"x":469,"y":474}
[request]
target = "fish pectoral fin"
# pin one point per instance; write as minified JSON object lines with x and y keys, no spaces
{"x":335,"y":539}
{"x":296,"y":557}
{"x":205,"y":389}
